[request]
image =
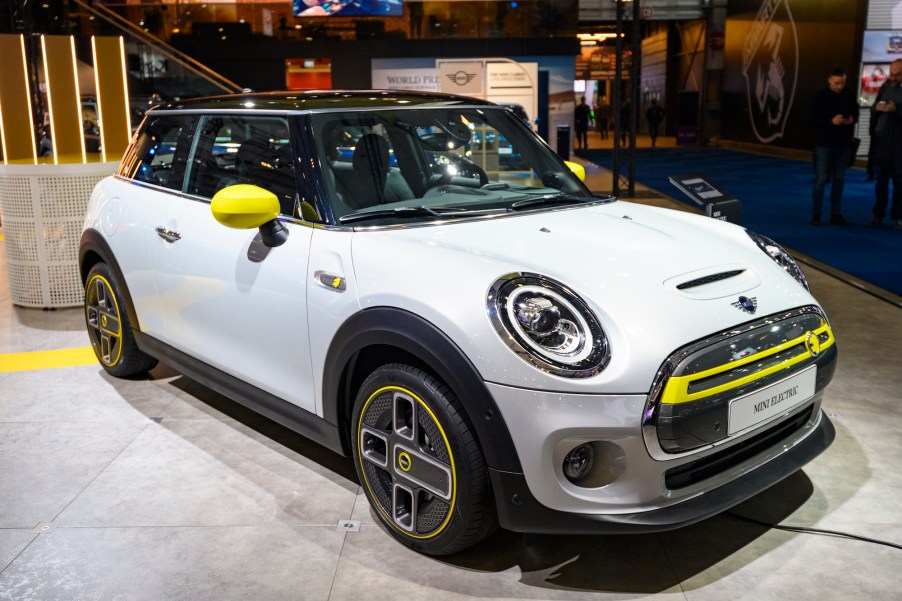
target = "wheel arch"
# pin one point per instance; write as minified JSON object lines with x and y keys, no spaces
{"x":93,"y":249}
{"x":382,"y":335}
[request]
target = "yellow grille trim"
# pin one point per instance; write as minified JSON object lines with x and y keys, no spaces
{"x":677,"y":388}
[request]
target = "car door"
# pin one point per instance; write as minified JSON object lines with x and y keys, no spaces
{"x":229,"y":300}
{"x":151,"y":170}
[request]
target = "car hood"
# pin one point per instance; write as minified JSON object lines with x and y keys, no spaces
{"x":629,"y":262}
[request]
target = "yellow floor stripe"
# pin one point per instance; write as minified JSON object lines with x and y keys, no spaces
{"x":47,"y":359}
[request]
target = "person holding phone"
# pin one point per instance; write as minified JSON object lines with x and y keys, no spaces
{"x":887,"y":142}
{"x":834,"y":113}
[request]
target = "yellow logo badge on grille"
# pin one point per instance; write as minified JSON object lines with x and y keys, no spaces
{"x":813,"y":344}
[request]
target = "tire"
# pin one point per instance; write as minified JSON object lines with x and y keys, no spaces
{"x":418,"y":462}
{"x":109,"y":328}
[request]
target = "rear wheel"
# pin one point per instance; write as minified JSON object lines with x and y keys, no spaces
{"x":109,"y":328}
{"x":420,"y":466}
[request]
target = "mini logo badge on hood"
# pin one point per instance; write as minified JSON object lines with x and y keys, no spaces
{"x":749,"y":305}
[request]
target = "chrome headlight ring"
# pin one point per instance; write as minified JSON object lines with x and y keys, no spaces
{"x":548,"y":325}
{"x":781,"y":257}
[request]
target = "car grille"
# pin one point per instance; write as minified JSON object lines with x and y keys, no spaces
{"x":688,"y":408}
{"x":702,"y":469}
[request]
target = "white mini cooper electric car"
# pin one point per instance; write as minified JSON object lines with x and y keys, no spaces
{"x":418,"y":282}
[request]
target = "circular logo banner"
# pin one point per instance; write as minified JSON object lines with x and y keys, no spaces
{"x":770,"y":64}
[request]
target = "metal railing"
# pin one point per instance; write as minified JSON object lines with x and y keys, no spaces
{"x":157,"y":66}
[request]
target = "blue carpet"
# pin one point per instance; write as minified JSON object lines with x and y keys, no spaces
{"x":776,"y":201}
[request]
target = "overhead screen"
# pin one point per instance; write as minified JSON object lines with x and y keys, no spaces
{"x":348,"y":8}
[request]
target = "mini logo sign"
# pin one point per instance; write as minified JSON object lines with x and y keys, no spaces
{"x":813,"y":344}
{"x":404,"y":461}
{"x":770,"y":64}
{"x":749,"y":305}
{"x":461,"y":78}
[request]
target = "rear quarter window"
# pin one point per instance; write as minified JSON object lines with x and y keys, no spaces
{"x":157,"y":154}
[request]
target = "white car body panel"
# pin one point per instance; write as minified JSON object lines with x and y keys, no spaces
{"x":328,"y":308}
{"x":218,"y":285}
{"x":120,"y":211}
{"x":621,"y":258}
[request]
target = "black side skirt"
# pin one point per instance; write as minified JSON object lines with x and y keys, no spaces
{"x":277,"y":409}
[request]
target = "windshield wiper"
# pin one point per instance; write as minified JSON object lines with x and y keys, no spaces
{"x":551,"y":199}
{"x":418,"y":211}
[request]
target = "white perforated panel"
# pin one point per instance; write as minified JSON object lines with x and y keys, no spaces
{"x":42,"y":208}
{"x":15,"y":197}
{"x":60,"y":198}
{"x":20,"y":241}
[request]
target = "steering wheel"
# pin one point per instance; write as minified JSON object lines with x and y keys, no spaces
{"x":483,"y":176}
{"x":462,"y":178}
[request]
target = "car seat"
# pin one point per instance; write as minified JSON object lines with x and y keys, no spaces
{"x":372,"y":180}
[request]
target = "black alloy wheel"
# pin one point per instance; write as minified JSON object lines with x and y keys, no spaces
{"x":109,"y":328}
{"x":420,"y":466}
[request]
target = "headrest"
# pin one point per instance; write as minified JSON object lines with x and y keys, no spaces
{"x":371,"y":155}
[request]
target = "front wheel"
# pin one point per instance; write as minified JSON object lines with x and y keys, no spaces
{"x":419,"y":464}
{"x":109,"y":328}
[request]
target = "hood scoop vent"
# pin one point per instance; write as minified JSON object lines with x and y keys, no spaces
{"x":710,"y":279}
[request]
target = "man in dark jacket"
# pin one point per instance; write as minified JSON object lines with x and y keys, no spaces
{"x":581,"y":118}
{"x":834,"y":112}
{"x":654,"y":115}
{"x":887,"y":143}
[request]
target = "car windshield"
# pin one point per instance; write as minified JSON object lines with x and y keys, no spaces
{"x":447,"y":162}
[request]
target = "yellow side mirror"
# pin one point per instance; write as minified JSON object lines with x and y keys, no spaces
{"x":577,"y":169}
{"x":244,"y":206}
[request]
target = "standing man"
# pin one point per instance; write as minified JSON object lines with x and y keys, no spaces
{"x":887,"y":144}
{"x":581,"y":116}
{"x":624,"y":117}
{"x":602,"y":109}
{"x":834,"y":112}
{"x":654,"y":115}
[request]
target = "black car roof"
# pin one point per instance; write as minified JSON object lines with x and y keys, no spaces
{"x":320,"y":99}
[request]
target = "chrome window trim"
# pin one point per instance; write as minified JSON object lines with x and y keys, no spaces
{"x":393,"y":226}
{"x":310,"y":111}
{"x":195,"y":198}
{"x":373,"y":228}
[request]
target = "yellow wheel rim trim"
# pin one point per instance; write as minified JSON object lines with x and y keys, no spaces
{"x":441,"y":430}
{"x":94,"y":342}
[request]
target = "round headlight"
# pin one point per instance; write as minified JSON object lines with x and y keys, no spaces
{"x":780,"y":256}
{"x":548,"y":325}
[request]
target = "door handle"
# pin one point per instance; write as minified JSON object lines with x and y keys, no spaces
{"x":168,"y":235}
{"x":330,"y":281}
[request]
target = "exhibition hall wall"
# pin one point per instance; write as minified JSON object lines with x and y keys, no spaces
{"x":778,"y":54}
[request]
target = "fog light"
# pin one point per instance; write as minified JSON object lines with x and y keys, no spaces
{"x":578,"y":462}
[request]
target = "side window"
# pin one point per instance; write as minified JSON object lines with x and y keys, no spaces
{"x":243,"y":150}
{"x":158,"y":154}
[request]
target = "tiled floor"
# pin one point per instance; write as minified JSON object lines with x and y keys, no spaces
{"x":161,"y":489}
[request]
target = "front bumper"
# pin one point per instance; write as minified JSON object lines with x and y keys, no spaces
{"x":519,"y":511}
{"x":718,"y":462}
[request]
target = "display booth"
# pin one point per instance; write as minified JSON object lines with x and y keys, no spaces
{"x":43,"y":198}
